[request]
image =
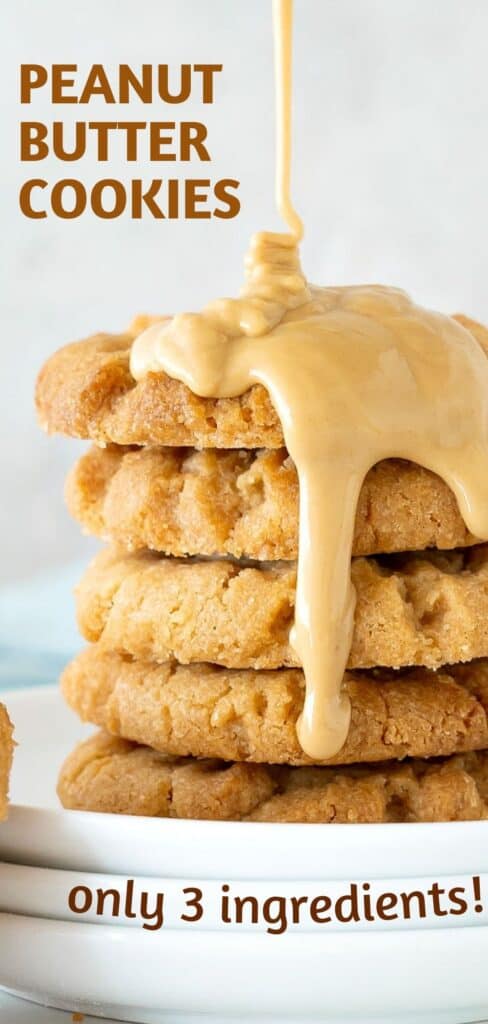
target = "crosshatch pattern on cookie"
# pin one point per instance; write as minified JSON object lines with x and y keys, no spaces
{"x":205,"y":711}
{"x":245,"y":503}
{"x":429,"y":609}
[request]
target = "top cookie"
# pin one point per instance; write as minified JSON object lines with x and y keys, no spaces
{"x":86,"y":390}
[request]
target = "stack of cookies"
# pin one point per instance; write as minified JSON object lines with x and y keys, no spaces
{"x":189,"y":671}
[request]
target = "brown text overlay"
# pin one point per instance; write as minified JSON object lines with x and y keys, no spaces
{"x":162,"y":142}
{"x":361,"y":904}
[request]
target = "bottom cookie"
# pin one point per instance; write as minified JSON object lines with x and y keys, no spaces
{"x":6,"y":754}
{"x":116,"y":776}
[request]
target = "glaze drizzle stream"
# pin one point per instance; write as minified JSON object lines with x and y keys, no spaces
{"x":356,"y":375}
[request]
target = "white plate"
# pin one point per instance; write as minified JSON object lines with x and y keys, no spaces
{"x":136,"y":974}
{"x":40,"y":835}
{"x":417,"y":977}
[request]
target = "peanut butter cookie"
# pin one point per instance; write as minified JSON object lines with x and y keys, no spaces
{"x":245,"y":503}
{"x":6,"y":755}
{"x":86,"y":390}
{"x":429,"y":609}
{"x":112,"y":775}
{"x":206,"y":711}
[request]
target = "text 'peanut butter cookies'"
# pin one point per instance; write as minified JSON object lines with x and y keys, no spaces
{"x":86,"y":390}
{"x":6,"y":755}
{"x":112,"y":775}
{"x":430,"y":609}
{"x":245,"y":503}
{"x":204,"y":711}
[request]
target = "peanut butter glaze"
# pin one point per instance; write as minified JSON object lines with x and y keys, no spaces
{"x":356,"y":375}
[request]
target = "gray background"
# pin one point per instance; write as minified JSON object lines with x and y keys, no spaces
{"x":390,"y":171}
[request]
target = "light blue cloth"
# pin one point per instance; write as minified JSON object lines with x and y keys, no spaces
{"x":38,"y":633}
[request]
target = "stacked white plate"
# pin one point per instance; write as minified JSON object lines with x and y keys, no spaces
{"x":95,"y":916}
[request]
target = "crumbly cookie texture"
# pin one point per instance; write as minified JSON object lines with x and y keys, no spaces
{"x":429,"y":609}
{"x":113,"y":775}
{"x":204,"y":711}
{"x":86,"y":390}
{"x":245,"y":503}
{"x":6,"y":755}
